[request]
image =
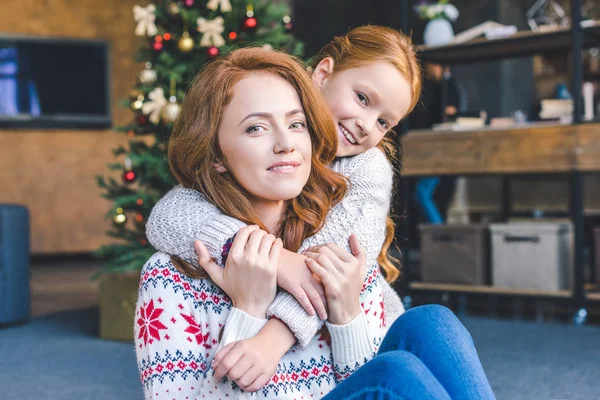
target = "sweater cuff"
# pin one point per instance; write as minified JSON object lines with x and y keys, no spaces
{"x":350,"y":343}
{"x":216,"y":233}
{"x":290,"y":312}
{"x":239,"y":326}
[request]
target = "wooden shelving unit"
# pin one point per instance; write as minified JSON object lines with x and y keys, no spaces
{"x":570,"y":150}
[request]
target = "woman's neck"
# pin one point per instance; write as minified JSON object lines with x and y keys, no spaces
{"x":269,"y":213}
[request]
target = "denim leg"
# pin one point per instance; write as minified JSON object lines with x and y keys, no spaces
{"x":396,"y":375}
{"x":434,"y":335}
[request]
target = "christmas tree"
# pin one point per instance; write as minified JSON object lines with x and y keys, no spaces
{"x":182,"y":37}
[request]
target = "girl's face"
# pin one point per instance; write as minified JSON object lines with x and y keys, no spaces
{"x":264,"y":139}
{"x":365,"y":102}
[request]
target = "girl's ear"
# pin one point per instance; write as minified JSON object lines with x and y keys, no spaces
{"x":323,"y":71}
{"x":220,"y":168}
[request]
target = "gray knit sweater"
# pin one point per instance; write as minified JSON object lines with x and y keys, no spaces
{"x":184,"y":215}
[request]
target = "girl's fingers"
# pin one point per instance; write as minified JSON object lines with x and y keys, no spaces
{"x":333,"y":259}
{"x":275,"y":250}
{"x":264,"y":248}
{"x":317,"y":301}
{"x":227,"y":362}
{"x":248,"y":377}
{"x":240,"y":240}
{"x":212,"y":268}
{"x":319,"y":271}
{"x":258,"y":383}
{"x":358,"y":251}
{"x":254,"y":241}
{"x":240,"y":368}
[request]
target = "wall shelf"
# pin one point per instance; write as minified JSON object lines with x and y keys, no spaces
{"x":521,"y":44}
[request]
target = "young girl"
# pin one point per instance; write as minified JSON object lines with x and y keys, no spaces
{"x":371,"y":80}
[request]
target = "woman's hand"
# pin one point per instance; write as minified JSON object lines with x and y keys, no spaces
{"x":342,"y":275}
{"x":294,"y":276}
{"x":250,"y":274}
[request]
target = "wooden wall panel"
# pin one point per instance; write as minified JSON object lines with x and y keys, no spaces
{"x":52,"y":171}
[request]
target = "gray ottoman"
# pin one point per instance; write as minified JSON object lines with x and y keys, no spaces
{"x":15,"y":292}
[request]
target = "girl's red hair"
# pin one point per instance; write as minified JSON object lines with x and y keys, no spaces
{"x":364,"y":45}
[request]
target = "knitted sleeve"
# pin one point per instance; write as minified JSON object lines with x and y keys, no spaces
{"x":183,"y":216}
{"x":176,"y":331}
{"x":363,"y":212}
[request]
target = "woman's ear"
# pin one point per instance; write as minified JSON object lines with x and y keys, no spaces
{"x":220,"y":168}
{"x":323,"y":71}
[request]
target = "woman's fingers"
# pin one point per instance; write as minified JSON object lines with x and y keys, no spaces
{"x":341,"y":253}
{"x":241,"y":238}
{"x":358,"y":251}
{"x":320,"y":271}
{"x":254,"y":241}
{"x":248,"y":377}
{"x":212,"y":268}
{"x":264,"y":249}
{"x":334,"y":260}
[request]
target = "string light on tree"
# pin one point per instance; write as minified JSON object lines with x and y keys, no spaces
{"x":157,"y":45}
{"x":189,"y":3}
{"x":287,"y":21}
{"x":212,"y":51}
{"x":233,"y":35}
{"x":170,"y":112}
{"x":119,"y":218}
{"x":128,"y":175}
{"x":148,"y":75}
{"x":173,"y":9}
{"x":139,"y":218}
{"x":250,"y":22}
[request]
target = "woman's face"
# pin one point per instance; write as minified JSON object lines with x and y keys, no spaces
{"x":264,"y":138}
{"x":365,"y":102}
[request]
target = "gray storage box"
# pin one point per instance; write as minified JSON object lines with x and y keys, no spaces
{"x":533,"y":255}
{"x":455,"y":254}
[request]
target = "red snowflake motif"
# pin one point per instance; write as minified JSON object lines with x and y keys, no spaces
{"x":149,"y":324}
{"x":166,"y":273}
{"x":187,"y":286}
{"x":177,"y":278}
{"x":195,"y":330}
{"x":382,"y":315}
{"x":324,"y":335}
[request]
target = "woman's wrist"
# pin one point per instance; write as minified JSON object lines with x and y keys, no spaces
{"x":345,"y":316}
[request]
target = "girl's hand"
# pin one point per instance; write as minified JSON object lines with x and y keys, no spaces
{"x":342,"y":275}
{"x":294,"y":276}
{"x":249,"y":363}
{"x":250,"y":274}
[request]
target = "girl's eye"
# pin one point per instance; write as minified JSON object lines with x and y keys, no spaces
{"x":362,"y":98}
{"x":297,"y":125}
{"x":383,"y":123}
{"x":255,"y":129}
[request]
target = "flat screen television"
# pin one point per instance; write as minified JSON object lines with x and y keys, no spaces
{"x":54,"y":83}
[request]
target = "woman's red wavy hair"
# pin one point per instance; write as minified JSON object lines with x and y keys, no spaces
{"x":193,"y":147}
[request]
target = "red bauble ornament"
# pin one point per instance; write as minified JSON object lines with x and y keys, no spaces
{"x":139,"y":218}
{"x":189,"y":3}
{"x":250,"y":23}
{"x":157,"y":46}
{"x":213,"y":51}
{"x":129,"y":176}
{"x":232,"y":35}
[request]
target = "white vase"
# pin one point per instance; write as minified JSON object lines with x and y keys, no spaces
{"x":438,"y":32}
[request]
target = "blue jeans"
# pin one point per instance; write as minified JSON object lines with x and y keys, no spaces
{"x":426,"y":354}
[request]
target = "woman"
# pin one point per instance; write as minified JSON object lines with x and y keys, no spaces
{"x":247,"y":135}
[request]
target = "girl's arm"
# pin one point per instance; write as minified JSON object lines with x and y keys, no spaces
{"x":363,"y":212}
{"x":177,"y":327}
{"x":183,"y":216}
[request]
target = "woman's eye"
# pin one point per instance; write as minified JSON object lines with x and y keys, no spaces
{"x":384,"y":123}
{"x":255,"y":129}
{"x":297,"y":125}
{"x":362,"y":98}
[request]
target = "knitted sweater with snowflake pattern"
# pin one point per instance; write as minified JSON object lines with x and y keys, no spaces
{"x":184,"y":215}
{"x":178,"y":322}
